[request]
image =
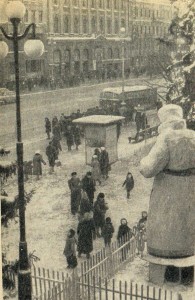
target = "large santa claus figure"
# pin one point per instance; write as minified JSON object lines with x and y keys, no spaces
{"x":171,"y":161}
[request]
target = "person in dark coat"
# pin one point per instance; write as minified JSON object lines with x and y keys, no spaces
{"x":124,"y":232}
{"x":69,"y":137}
{"x":88,"y":185}
{"x":128,"y":183}
{"x":37,"y":161}
{"x":77,"y":136}
{"x":75,"y":188}
{"x":47,"y":127}
{"x":124,"y":235}
{"x":100,"y":208}
{"x":54,"y":121}
{"x":104,"y":163}
{"x":51,"y":155}
{"x":85,"y":204}
{"x":97,"y":152}
{"x":86,"y":231}
{"x":56,"y":136}
{"x":70,"y":249}
{"x":107,"y":231}
{"x":28,"y":168}
{"x":138,"y":120}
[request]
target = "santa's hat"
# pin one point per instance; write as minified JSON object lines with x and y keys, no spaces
{"x":170,"y":112}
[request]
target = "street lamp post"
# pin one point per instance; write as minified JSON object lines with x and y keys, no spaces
{"x":15,"y":11}
{"x":122,"y":31}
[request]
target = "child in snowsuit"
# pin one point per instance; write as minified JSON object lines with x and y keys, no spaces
{"x":70,"y":249}
{"x":107,"y":231}
{"x":128,"y":183}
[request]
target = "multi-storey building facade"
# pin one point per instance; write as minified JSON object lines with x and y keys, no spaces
{"x":83,"y":37}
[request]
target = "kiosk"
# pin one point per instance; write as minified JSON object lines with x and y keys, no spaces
{"x":100,"y":131}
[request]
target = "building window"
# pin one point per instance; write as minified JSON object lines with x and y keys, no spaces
{"x":75,"y":2}
{"x":33,"y":66}
{"x":33,"y":18}
{"x":84,"y":3}
{"x":109,"y":26}
{"x":26,"y":17}
{"x":122,"y":4}
{"x":84,"y":25}
{"x":40,"y":16}
{"x":57,"y":57}
{"x":108,"y":3}
{"x":85,"y":54}
{"x":93,"y":24}
{"x":93,"y":3}
{"x":76,"y":55}
{"x":66,"y":3}
{"x":101,"y":24}
{"x":55,"y":2}
{"x":67,"y":56}
{"x":116,"y":26}
{"x":66,"y":24}
{"x":123,"y":23}
{"x":115,"y":4}
{"x":110,"y":54}
{"x":76,"y":25}
{"x":100,"y":3}
{"x":117,"y":53}
{"x":56,"y":24}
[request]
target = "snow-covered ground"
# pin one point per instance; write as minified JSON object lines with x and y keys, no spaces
{"x":48,"y":216}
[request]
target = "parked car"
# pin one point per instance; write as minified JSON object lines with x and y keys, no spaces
{"x":7,"y":96}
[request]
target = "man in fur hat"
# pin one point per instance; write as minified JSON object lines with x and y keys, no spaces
{"x":171,"y":161}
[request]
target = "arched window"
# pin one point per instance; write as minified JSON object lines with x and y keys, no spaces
{"x":110,"y":54}
{"x":75,"y":2}
{"x":84,"y":25}
{"x":115,"y":4}
{"x":76,"y":55}
{"x":93,"y":3}
{"x":116,"y":26}
{"x":67,"y":56}
{"x":93,"y":24}
{"x":101,"y":24}
{"x":109,"y":26}
{"x":57,"y":57}
{"x":66,"y":24}
{"x":85,"y":54}
{"x":76,"y":25}
{"x":56,"y":24}
{"x":108,"y":3}
{"x":100,"y":3}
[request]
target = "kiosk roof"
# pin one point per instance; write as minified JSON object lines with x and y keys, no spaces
{"x":99,"y":119}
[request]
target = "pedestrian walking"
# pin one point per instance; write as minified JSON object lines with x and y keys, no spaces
{"x":86,"y":232}
{"x":107,"y":231}
{"x":70,"y":249}
{"x":85,"y":204}
{"x":48,"y":128}
{"x":75,"y":189}
{"x":100,"y":208}
{"x":104,"y":163}
{"x":129,"y":184}
{"x":77,"y":136}
{"x":69,"y":137}
{"x":96,"y":172}
{"x":37,"y":164}
{"x":88,"y":185}
{"x":51,"y":155}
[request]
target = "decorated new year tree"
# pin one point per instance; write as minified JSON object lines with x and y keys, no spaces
{"x":180,"y":74}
